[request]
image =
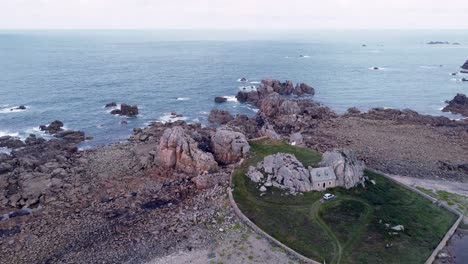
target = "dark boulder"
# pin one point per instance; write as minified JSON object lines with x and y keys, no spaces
{"x":243,"y":79}
{"x":465,"y":65}
{"x":113,"y":104}
{"x":53,"y":128}
{"x":220,"y":116}
{"x":21,"y":107}
{"x":33,"y":140}
{"x":71,"y":135}
{"x":458,"y":105}
{"x":11,"y":142}
{"x":126,"y":110}
{"x":302,"y":88}
{"x":219,"y":99}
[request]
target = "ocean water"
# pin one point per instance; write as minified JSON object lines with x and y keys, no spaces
{"x":71,"y":75}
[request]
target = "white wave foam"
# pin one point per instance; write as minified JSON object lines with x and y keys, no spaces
{"x":5,"y":150}
{"x":11,"y":109}
{"x":204,"y":113}
{"x":429,"y":67}
{"x":169,"y":118}
{"x":248,"y":88}
{"x":7,"y":133}
{"x":255,"y":82}
{"x":304,"y":56}
{"x":378,"y":68}
{"x":240,"y":80}
{"x":183,"y":98}
{"x":230,"y":98}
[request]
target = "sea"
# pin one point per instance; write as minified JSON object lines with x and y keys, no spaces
{"x":69,"y":75}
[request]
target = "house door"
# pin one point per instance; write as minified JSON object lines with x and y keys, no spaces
{"x":323,"y":185}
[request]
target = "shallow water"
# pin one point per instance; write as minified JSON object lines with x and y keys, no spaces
{"x":71,"y":75}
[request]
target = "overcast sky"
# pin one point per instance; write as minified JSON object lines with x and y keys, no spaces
{"x":233,"y":14}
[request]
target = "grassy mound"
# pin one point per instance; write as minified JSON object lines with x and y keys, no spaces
{"x":348,"y":229}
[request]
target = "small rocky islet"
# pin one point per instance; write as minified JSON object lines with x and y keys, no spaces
{"x":167,"y":182}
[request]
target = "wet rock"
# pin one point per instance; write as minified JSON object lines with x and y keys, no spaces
{"x":71,"y":135}
{"x":113,"y":104}
{"x":21,"y":107}
{"x":219,"y":99}
{"x":220,"y":116}
{"x":465,"y":65}
{"x":10,"y":231}
{"x":458,"y":105}
{"x":302,"y":88}
{"x":54,"y":127}
{"x":126,"y":110}
{"x":11,"y":142}
{"x":229,"y":146}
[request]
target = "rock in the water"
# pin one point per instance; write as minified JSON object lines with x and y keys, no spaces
{"x":180,"y":151}
{"x":229,"y":146}
{"x":458,"y":105}
{"x":21,"y":107}
{"x":71,"y":135}
{"x":220,"y":99}
{"x":54,"y":127}
{"x":113,"y":104}
{"x":243,"y":79}
{"x":438,"y":43}
{"x":465,"y":65}
{"x":348,"y":169}
{"x":302,"y":88}
{"x":126,"y":110}
{"x":220,"y":116}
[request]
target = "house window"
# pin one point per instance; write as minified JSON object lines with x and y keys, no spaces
{"x":329,"y":183}
{"x":323,"y":185}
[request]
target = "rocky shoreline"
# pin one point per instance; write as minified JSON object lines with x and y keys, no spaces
{"x":163,"y":190}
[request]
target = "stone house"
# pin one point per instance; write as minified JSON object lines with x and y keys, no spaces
{"x":322,"y":178}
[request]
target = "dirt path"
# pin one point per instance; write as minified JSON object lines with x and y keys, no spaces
{"x":439,"y":185}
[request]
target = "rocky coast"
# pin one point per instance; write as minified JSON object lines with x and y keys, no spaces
{"x":163,"y":191}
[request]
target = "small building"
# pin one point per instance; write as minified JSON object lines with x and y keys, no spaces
{"x":322,"y":178}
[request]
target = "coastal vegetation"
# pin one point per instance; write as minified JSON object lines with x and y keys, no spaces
{"x":354,"y":227}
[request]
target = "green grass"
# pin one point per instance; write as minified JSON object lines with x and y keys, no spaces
{"x":348,"y":229}
{"x":459,"y":202}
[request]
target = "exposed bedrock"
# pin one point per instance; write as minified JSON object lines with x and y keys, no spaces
{"x":180,"y":151}
{"x":458,"y":105}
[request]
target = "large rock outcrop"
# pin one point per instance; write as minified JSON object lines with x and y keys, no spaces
{"x":283,"y":171}
{"x":220,"y":116}
{"x":180,"y":151}
{"x":458,"y":105}
{"x":229,"y":146}
{"x":348,"y":169}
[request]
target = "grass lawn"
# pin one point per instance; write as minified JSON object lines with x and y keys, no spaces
{"x":348,"y":229}
{"x":460,"y":202}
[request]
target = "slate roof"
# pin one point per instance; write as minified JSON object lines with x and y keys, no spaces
{"x":322,"y":174}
